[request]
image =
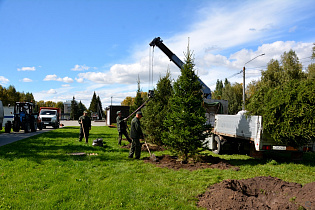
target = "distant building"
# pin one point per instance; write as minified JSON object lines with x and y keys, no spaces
{"x":67,"y":107}
{"x":67,"y":110}
{"x":111,"y":113}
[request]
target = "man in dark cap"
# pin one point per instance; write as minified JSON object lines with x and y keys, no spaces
{"x":121,"y":127}
{"x":85,"y":127}
{"x":136,"y":134}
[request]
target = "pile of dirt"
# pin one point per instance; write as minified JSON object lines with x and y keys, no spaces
{"x":172,"y":162}
{"x":152,"y":147}
{"x":258,"y":193}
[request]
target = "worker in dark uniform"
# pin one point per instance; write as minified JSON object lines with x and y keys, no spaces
{"x":136,"y":134}
{"x":85,"y":127}
{"x":121,"y":127}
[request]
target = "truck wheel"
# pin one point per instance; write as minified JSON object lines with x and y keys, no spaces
{"x":27,"y":127}
{"x":216,"y":145}
{"x":33,"y":126}
{"x":7,"y":127}
{"x":40,"y":126}
{"x":16,"y":126}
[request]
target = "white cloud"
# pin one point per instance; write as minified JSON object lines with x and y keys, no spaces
{"x":3,"y":80}
{"x":27,"y":80}
{"x":51,"y":91}
{"x":82,"y":68}
{"x":67,"y":80}
{"x":50,"y":77}
{"x":65,"y":85}
{"x":27,"y":69}
{"x":53,"y":77}
{"x":79,"y":80}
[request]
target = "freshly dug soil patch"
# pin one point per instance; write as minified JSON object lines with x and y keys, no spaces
{"x":152,"y":147}
{"x":258,"y":193}
{"x":171,"y":162}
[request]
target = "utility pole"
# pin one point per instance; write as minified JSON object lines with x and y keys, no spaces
{"x":243,"y":107}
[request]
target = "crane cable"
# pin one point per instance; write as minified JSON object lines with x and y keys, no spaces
{"x":149,"y":68}
{"x":152,"y":67}
{"x":151,"y":64}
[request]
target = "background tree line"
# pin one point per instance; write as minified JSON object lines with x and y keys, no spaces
{"x":77,"y":108}
{"x":10,"y":96}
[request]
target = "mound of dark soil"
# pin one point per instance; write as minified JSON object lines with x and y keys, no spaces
{"x":172,"y":162}
{"x":258,"y":193}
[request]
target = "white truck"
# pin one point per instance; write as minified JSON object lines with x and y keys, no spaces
{"x":6,"y":116}
{"x":243,"y":132}
{"x":50,"y":116}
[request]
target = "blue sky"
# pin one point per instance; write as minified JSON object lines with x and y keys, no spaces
{"x":60,"y":49}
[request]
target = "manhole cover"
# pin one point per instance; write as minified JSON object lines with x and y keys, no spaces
{"x":77,"y":153}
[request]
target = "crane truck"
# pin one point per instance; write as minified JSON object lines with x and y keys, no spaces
{"x":239,"y":132}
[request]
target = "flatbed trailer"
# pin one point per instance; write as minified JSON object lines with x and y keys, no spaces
{"x":244,"y":132}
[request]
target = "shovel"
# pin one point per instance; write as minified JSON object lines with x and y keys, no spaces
{"x":152,"y":156}
{"x":83,"y":130}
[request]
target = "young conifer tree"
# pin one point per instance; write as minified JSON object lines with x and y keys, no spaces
{"x":156,"y":110}
{"x":186,"y":117}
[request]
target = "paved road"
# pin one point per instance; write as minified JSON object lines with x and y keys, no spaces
{"x":75,"y":123}
{"x":7,"y":138}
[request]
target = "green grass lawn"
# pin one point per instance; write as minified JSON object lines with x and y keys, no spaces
{"x":39,"y":173}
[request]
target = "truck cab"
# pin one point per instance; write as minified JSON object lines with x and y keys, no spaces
{"x":49,"y":116}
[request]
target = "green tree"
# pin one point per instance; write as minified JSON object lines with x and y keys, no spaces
{"x":274,"y":74}
{"x":311,"y":71}
{"x":233,"y":93}
{"x":61,"y":106}
{"x":74,"y":115}
{"x":251,"y":89}
{"x":289,"y":113}
{"x":291,"y":66}
{"x":13,"y":95}
{"x":4,"y":96}
{"x":217,"y":93}
{"x":99,"y":108}
{"x":94,"y":103}
{"x":156,"y":110}
{"x":50,"y":104}
{"x":81,"y":108}
{"x":311,"y":67}
{"x":285,"y":99}
{"x":41,"y":103}
{"x":186,"y":117}
{"x":29,"y":97}
{"x":128,"y":101}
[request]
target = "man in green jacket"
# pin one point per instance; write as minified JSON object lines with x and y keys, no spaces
{"x":136,"y":134}
{"x":121,"y":127}
{"x":85,"y":127}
